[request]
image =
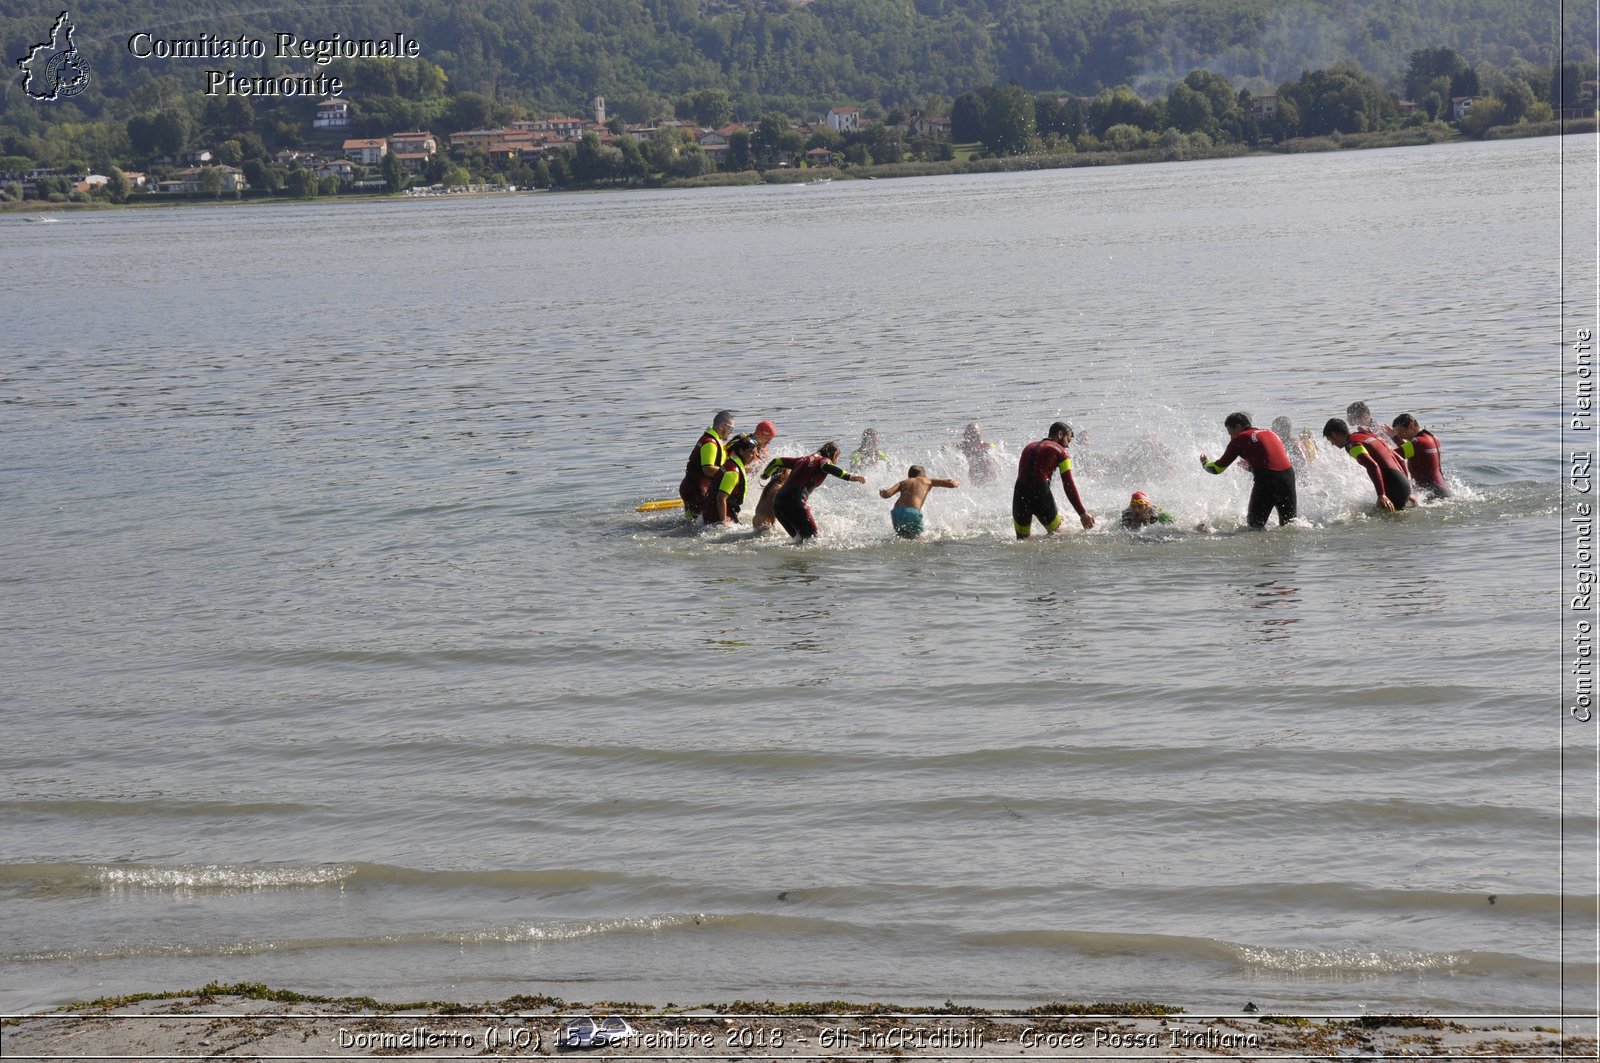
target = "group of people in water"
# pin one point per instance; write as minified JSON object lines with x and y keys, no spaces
{"x":1398,"y":458}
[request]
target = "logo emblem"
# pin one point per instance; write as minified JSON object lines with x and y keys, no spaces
{"x":54,"y":69}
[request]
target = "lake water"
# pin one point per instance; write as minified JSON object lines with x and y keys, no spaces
{"x":337,"y":656}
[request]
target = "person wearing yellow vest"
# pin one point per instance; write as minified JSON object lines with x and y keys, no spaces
{"x":726,"y":494}
{"x":705,"y":463}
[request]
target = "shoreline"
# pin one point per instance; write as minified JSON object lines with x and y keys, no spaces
{"x":886,"y":172}
{"x":254,"y":1021}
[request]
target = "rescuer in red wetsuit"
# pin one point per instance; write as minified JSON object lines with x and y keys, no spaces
{"x":1420,"y":449}
{"x":1263,"y":454}
{"x":1031,"y":496}
{"x":1382,"y":464}
{"x":790,"y":505}
{"x":706,"y":460}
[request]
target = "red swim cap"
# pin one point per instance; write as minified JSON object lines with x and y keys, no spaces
{"x":767,"y":428}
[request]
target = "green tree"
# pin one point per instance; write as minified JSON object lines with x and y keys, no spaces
{"x":394,"y":172}
{"x":633,"y":167}
{"x":1189,"y":111}
{"x":259,"y":175}
{"x":1009,"y":124}
{"x":1120,"y":106}
{"x":739,"y":156}
{"x":302,"y":183}
{"x":969,"y":114}
{"x":710,"y":108}
{"x":210,"y":181}
{"x":1518,"y":99}
{"x":1341,"y":99}
{"x":118,"y":186}
{"x":470,"y":110}
{"x":1426,"y":64}
{"x":1485,"y":112}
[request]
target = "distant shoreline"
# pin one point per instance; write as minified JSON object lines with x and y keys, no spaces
{"x":1419,"y":137}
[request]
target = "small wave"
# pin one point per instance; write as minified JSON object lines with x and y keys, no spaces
{"x":42,"y":879}
{"x":529,"y":933}
{"x":1347,"y":960}
{"x":220,"y":878}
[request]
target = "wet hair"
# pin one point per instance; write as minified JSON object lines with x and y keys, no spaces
{"x":1282,"y":425}
{"x":1405,"y":420}
{"x":1335,"y":425}
{"x":916,"y":470}
{"x":830,"y":449}
{"x":1356,"y":411}
{"x":1061,"y":426}
{"x":1237,"y":419}
{"x":723,"y":417}
{"x":743,"y":443}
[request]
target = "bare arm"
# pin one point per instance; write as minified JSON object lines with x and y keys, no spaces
{"x":936,"y":482}
{"x":887,"y":491}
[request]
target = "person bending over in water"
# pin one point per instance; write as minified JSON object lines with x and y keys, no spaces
{"x":790,"y":504}
{"x":775,"y":475}
{"x":1420,"y":448}
{"x":906,"y":516}
{"x":1373,"y":454}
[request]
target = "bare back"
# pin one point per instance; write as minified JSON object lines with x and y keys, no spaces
{"x":913,"y":490}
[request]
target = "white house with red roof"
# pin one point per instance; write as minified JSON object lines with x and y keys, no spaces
{"x":367,"y":151}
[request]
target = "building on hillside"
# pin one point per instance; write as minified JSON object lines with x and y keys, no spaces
{"x":343,"y":169}
{"x":413,"y":144}
{"x":188,"y":180}
{"x":1460,"y":105}
{"x":599,"y":110}
{"x":844,"y":120}
{"x":332,"y":114}
{"x":368,"y":151}
{"x":1264,"y":108}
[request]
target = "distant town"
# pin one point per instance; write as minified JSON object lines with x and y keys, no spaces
{"x":1201,"y":116}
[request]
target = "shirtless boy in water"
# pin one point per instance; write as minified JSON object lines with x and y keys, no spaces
{"x":913,"y":490}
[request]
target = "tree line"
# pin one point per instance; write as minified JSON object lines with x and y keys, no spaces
{"x":1195,"y":115}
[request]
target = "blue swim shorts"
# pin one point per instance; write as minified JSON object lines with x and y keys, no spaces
{"x":907,"y":521}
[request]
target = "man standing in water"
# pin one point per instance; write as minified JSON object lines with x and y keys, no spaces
{"x":1031,"y":497}
{"x":790,"y":505}
{"x":1420,"y":448}
{"x":706,"y":460}
{"x":1263,"y":454}
{"x":1383,"y":466}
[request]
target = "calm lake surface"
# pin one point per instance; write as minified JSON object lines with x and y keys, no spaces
{"x":337,"y":657}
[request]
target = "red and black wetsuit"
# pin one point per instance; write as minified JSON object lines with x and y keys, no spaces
{"x":710,"y":449}
{"x":1031,"y":496}
{"x":1263,"y":454}
{"x":1383,"y":467}
{"x":1422,"y":454}
{"x":804,"y":475}
{"x":732,"y":481}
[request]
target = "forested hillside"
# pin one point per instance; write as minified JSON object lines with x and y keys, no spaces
{"x":802,"y":57}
